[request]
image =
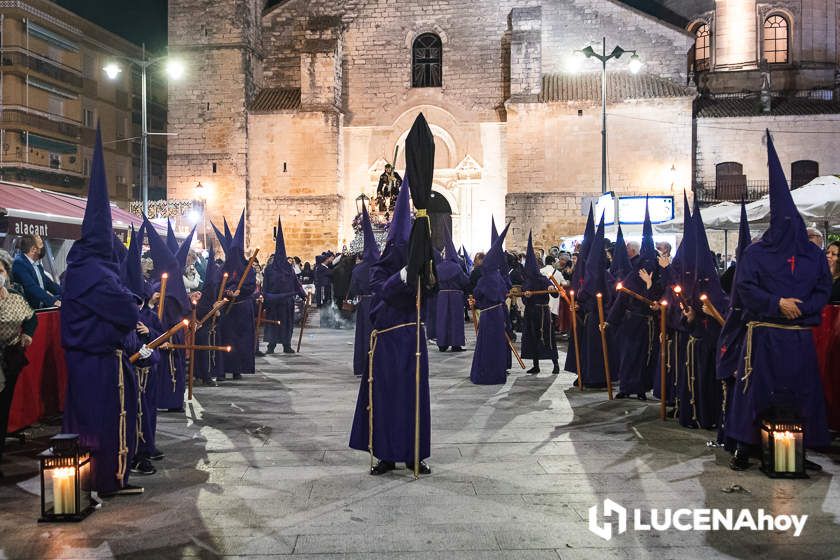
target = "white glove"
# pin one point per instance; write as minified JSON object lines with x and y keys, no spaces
{"x":145,"y":352}
{"x":404,"y":275}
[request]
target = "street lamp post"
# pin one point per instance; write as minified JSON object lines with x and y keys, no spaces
{"x":175,"y":70}
{"x":635,"y":65}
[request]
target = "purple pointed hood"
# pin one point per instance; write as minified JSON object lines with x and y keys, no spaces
{"x":708,"y":281}
{"x":222,"y":239}
{"x":131,"y":271}
{"x":370,"y":252}
{"x":583,"y":253}
{"x":595,"y":272}
{"x":183,"y":250}
{"x":495,"y":257}
{"x":171,"y":240}
{"x":494,"y":233}
{"x":165,"y":261}
{"x":744,"y":234}
{"x":280,"y":243}
{"x":534,"y":279}
{"x":786,"y":234}
{"x":395,"y":255}
{"x":620,"y":265}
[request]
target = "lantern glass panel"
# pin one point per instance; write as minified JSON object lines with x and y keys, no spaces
{"x":782,"y":448}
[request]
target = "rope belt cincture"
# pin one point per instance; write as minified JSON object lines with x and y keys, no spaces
{"x":751,"y":326}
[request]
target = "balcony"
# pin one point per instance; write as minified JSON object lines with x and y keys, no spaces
{"x":24,"y":118}
{"x":16,"y":56}
{"x":712,"y":192}
{"x":14,"y":169}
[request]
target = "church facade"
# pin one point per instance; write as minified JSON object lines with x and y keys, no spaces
{"x":294,"y":107}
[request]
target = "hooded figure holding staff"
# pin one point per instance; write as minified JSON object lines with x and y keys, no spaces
{"x":280,"y":287}
{"x":538,"y":341}
{"x":360,"y":289}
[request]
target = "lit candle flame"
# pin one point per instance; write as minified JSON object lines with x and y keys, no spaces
{"x":619,"y":286}
{"x":677,"y":289}
{"x":164,"y":275}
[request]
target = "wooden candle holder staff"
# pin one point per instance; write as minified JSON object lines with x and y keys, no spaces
{"x":573,"y":310}
{"x":164,"y":278}
{"x":710,"y":309}
{"x":162,"y":339}
{"x":663,"y":345}
{"x":471,"y":302}
{"x":620,"y":287}
{"x":602,"y":327}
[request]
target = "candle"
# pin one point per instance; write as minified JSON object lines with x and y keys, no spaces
{"x":790,"y":442}
{"x":780,"y":453}
{"x":64,"y":484}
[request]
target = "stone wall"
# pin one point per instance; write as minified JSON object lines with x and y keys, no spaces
{"x":295,"y":172}
{"x":218,"y":43}
{"x":742,"y":140}
{"x":554,"y":153}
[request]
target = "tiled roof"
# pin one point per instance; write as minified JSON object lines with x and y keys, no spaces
{"x":707,"y":107}
{"x":620,"y":86}
{"x":276,"y":99}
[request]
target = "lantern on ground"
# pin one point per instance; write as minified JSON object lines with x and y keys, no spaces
{"x":65,"y":480}
{"x":782,"y":445}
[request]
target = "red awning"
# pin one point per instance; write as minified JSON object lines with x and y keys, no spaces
{"x":25,"y":209}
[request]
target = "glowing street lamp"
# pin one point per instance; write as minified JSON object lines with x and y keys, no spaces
{"x":175,"y":70}
{"x":635,"y":65}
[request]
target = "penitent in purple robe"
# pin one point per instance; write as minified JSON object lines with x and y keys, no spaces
{"x":783,"y":362}
{"x":492,"y":354}
{"x":279,"y":290}
{"x":237,"y":326}
{"x":97,"y":313}
{"x":450,"y":304}
{"x":394,"y":315}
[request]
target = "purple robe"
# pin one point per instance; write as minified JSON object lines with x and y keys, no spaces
{"x":360,"y":288}
{"x":171,"y":379}
{"x":538,"y":342}
{"x":637,"y":328}
{"x":148,"y":380}
{"x":449,"y":302}
{"x":491,"y":359}
{"x":279,"y":290}
{"x":393,"y":374}
{"x":784,"y":369}
{"x":236,"y":326}
{"x":97,"y":313}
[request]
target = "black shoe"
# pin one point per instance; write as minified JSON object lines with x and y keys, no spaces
{"x":621,"y":395}
{"x":443,"y":348}
{"x":382,"y":467}
{"x":422,"y":468}
{"x":211,"y":383}
{"x":237,"y":376}
{"x":259,"y":354}
{"x":458,"y":349}
{"x":176,"y":409}
{"x":156,"y":455}
{"x":556,"y":369}
{"x":127,"y":490}
{"x":288,"y":350}
{"x":534,"y":369}
{"x":143,"y":467}
{"x":812,"y":466}
{"x":270,"y":349}
{"x":641,"y":397}
{"x":740,"y":461}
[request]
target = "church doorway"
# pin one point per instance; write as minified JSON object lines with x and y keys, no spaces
{"x":440,"y":216}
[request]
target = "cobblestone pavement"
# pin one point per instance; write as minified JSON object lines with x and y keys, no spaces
{"x":261,"y":468}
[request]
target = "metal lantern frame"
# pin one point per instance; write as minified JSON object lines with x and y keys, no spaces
{"x":68,"y":501}
{"x":783,"y":445}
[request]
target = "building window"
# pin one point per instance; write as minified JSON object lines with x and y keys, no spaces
{"x":89,"y":118}
{"x":55,"y":161}
{"x":776,"y":39}
{"x":86,"y":166}
{"x":702,"y":47}
{"x":427,"y":61}
{"x":730,"y":181}
{"x":803,"y":172}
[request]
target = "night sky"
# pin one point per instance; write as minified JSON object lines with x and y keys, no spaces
{"x":139,"y":21}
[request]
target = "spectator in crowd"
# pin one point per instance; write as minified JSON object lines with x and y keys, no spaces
{"x":832,"y":253}
{"x":38,"y":288}
{"x":815,"y":236}
{"x":16,"y":332}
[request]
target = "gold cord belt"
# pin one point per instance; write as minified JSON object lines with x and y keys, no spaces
{"x":690,"y":371}
{"x":142,"y":380}
{"x":752,"y":325}
{"x":122,"y":453}
{"x":374,"y":335}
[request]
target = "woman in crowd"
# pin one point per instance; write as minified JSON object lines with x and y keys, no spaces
{"x":17,"y":325}
{"x":832,"y":253}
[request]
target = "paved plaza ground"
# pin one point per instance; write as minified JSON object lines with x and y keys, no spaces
{"x":261,"y":468}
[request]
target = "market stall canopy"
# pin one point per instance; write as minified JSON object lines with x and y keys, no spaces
{"x":28,"y":210}
{"x":818,"y":201}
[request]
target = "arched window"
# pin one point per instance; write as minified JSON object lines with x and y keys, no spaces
{"x":803,"y":172}
{"x":776,"y":39}
{"x":702,"y":46}
{"x":427,"y":61}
